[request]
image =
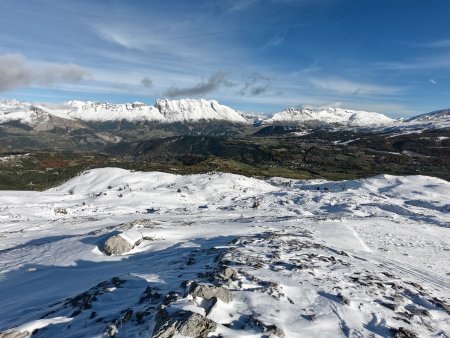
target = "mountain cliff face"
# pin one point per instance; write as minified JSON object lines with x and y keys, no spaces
{"x":197,"y":110}
{"x":330,"y":115}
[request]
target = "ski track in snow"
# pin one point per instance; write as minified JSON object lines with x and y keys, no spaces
{"x":310,"y":258}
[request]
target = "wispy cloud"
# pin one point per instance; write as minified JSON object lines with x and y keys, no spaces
{"x":276,"y":40}
{"x":255,"y":84}
{"x":215,"y":81}
{"x":441,"y":61}
{"x":347,"y":87}
{"x":121,"y":37}
{"x":436,"y":44}
{"x":238,"y":5}
{"x":17,"y":71}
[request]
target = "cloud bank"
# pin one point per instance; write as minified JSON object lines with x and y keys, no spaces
{"x":16,"y":71}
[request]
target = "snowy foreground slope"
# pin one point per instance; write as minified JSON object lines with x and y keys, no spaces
{"x":223,"y":255}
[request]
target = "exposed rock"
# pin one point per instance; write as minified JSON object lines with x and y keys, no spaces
{"x":61,"y":211}
{"x":343,"y":299}
{"x":111,"y":330}
{"x":441,"y":304}
{"x":209,"y":305}
{"x":310,"y":317}
{"x":401,"y":332}
{"x":14,"y":334}
{"x":117,"y":245}
{"x":182,"y":323}
{"x":209,"y":292}
{"x":228,"y":273}
{"x":171,"y":297}
{"x":274,"y":330}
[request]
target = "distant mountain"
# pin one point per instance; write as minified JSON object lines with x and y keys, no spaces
{"x":164,"y":111}
{"x":76,"y":114}
{"x":197,"y":110}
{"x":441,"y":117}
{"x":436,"y":120}
{"x":443,"y":114}
{"x":38,"y":117}
{"x":330,"y":116}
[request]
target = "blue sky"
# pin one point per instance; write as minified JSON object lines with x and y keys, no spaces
{"x":389,"y":56}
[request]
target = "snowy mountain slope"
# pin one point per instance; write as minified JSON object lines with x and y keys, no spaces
{"x":39,"y":117}
{"x":439,"y":115}
{"x":330,"y":115}
{"x":197,"y":110}
{"x":164,"y":111}
{"x":235,"y":256}
{"x":189,"y":110}
{"x":435,"y":120}
{"x":102,"y":112}
{"x":426,"y":122}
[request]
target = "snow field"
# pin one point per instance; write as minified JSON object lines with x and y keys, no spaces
{"x":351,"y":258}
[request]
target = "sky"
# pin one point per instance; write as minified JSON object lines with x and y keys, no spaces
{"x":388,"y":56}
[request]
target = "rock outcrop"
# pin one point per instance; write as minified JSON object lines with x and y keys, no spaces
{"x":182,"y":323}
{"x":209,"y":292}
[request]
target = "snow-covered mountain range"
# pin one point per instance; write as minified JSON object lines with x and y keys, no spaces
{"x":331,"y":115}
{"x":193,"y":110}
{"x":131,"y":254}
{"x":164,"y":111}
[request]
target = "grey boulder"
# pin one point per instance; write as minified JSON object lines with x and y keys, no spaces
{"x":117,"y":245}
{"x":210,"y":292}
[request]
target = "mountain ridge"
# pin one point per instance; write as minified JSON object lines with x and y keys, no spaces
{"x":197,"y":110}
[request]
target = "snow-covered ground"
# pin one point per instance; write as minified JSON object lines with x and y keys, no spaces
{"x":236,"y":256}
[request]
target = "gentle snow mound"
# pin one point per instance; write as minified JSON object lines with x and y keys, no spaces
{"x":172,"y":189}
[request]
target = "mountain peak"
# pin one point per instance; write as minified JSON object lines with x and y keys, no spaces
{"x":196,"y":110}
